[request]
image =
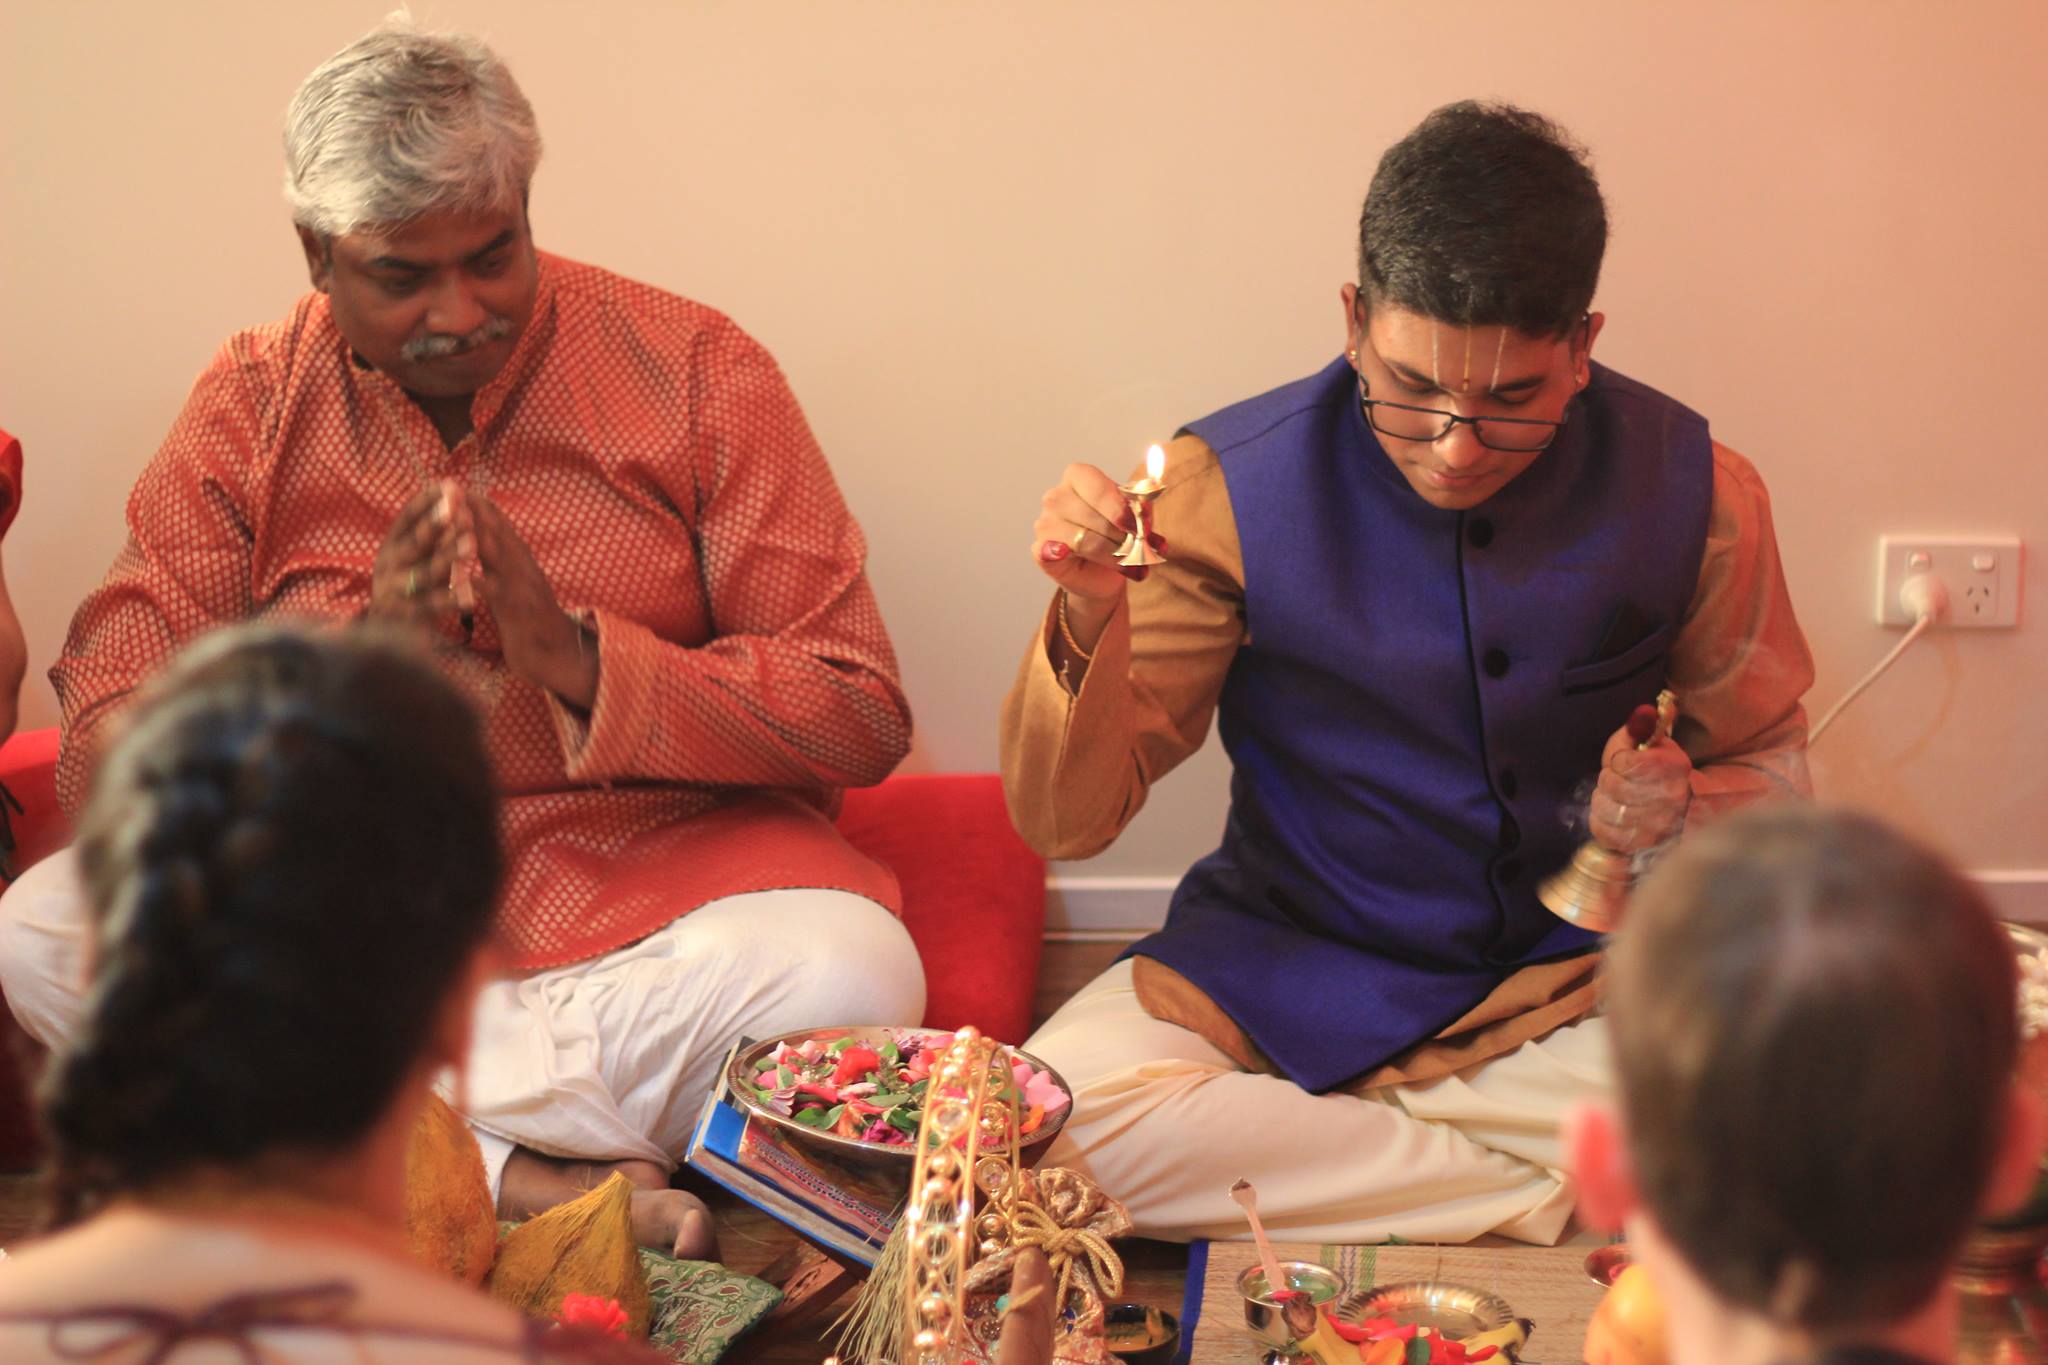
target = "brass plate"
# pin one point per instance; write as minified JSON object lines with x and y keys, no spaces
{"x":1455,"y":1310}
{"x":877,"y":1157}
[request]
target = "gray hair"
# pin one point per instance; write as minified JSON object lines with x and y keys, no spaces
{"x":402,"y":122}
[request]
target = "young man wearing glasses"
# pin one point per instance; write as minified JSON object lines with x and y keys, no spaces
{"x":1421,"y":592}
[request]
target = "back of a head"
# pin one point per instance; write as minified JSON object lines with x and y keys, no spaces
{"x":401,"y":123}
{"x":291,"y":857}
{"x":1814,"y":1030}
{"x":1485,"y":214}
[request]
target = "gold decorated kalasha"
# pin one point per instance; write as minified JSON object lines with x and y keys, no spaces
{"x":1137,"y":551}
{"x":1067,"y":1218}
{"x":1593,"y":886}
{"x":970,"y":1110}
{"x":934,"y":1296}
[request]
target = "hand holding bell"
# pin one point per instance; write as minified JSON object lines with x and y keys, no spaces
{"x":1590,"y":890}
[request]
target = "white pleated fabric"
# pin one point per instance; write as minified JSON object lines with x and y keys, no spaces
{"x":1166,"y":1122}
{"x":612,"y":1059}
{"x":606,"y":1059}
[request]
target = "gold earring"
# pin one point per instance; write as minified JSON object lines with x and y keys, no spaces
{"x":1353,"y":353}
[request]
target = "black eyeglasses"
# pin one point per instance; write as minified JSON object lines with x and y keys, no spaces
{"x":1405,"y":423}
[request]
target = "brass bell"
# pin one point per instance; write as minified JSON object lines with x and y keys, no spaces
{"x":1591,"y":889}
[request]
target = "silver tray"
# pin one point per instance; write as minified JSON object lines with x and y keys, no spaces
{"x":890,"y":1162}
{"x":1455,"y":1310}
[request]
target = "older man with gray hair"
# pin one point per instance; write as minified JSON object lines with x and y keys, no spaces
{"x":603,"y":506}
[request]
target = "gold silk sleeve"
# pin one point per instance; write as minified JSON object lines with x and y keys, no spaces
{"x":1078,"y":764}
{"x":1740,"y":664}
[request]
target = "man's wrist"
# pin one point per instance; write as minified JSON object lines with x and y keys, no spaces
{"x":572,"y":665}
{"x":1085,"y":619}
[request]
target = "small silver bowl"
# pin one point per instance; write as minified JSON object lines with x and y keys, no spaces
{"x":1605,"y":1264}
{"x":1262,"y":1316}
{"x":1454,"y":1311}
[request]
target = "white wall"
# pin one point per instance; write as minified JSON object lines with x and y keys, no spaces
{"x":986,"y":239}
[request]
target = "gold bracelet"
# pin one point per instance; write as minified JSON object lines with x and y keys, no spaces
{"x":1067,"y":634}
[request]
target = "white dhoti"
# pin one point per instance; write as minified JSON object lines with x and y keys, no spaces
{"x":607,"y":1059}
{"x":1166,"y":1122}
{"x":43,"y":948}
{"x":612,"y":1059}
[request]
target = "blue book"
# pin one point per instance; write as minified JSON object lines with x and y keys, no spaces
{"x":850,"y":1213}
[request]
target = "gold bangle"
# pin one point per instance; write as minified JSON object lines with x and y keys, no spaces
{"x":1067,"y":634}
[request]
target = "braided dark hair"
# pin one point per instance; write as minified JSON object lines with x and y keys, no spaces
{"x":291,"y":854}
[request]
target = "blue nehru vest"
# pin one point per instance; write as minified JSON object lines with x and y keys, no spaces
{"x":1420,"y":709}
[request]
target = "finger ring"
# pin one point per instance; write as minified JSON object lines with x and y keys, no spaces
{"x":1621,"y":815}
{"x":1079,"y":536}
{"x":412,"y":582}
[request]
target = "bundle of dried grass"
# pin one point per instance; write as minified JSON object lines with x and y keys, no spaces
{"x":582,"y":1247}
{"x":449,"y":1217}
{"x":871,"y":1331}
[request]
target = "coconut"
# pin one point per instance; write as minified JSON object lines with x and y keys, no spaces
{"x":449,"y":1217}
{"x":585,"y":1246}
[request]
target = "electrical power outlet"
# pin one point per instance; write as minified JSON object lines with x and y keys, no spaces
{"x":1981,"y":573}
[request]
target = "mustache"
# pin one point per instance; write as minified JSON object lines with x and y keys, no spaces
{"x":439,"y":345}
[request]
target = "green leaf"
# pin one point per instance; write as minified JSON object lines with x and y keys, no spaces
{"x":889,"y":1053}
{"x":918,"y":1091}
{"x":814,"y":1117}
{"x":784,"y":1078}
{"x":834,"y":1049}
{"x":1418,"y":1351}
{"x":902,"y":1120}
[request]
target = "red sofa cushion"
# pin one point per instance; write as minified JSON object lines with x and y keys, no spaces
{"x":973,"y":893}
{"x":28,"y":768}
{"x":973,"y":898}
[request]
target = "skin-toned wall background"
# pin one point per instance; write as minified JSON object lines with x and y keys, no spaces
{"x":984,"y":240}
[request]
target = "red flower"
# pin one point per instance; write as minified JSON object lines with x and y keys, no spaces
{"x":855,"y":1063}
{"x":1352,"y":1334}
{"x":593,"y":1310}
{"x":826,"y":1094}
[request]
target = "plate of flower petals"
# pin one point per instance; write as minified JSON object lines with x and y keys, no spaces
{"x":857,"y":1092}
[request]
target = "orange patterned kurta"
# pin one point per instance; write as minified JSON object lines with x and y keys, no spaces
{"x":652,"y":456}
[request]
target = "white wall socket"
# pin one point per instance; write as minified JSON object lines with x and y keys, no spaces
{"x":1981,"y":573}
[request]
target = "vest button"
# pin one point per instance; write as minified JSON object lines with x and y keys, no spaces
{"x":1495,"y":662}
{"x":1507,"y":783}
{"x":1509,"y":870}
{"x":1510,"y":833}
{"x":1480,"y":533}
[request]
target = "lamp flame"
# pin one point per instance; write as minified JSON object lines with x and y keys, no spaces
{"x":1155,"y":463}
